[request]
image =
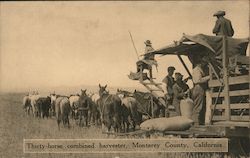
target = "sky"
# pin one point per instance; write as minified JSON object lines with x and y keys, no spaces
{"x":47,"y":44}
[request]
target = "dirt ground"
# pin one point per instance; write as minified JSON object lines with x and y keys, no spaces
{"x":15,"y":126}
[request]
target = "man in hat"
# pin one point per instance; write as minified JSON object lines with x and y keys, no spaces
{"x":180,"y":89}
{"x":169,"y":81}
{"x":198,"y":93}
{"x":223,"y":26}
{"x":148,"y":59}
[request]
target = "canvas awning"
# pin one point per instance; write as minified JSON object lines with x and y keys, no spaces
{"x":197,"y":46}
{"x":204,"y":45}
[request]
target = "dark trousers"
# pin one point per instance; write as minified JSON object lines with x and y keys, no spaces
{"x":199,"y":110}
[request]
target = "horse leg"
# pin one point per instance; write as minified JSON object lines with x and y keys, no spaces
{"x":88,"y":119}
{"x":80,"y":120}
{"x":90,"y":116}
{"x":131,"y":122}
{"x":58,"y":123}
{"x":67,"y":119}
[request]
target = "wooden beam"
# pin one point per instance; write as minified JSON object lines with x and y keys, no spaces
{"x":219,"y":118}
{"x":232,"y":81}
{"x":232,"y":93}
{"x":233,"y":106}
{"x":232,"y":118}
{"x":211,"y":67}
{"x":240,"y":118}
{"x":225,"y":78}
{"x":232,"y":123}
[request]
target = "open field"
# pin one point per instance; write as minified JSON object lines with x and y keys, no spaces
{"x":15,"y":126}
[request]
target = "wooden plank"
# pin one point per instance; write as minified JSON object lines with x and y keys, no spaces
{"x":240,"y":118}
{"x":156,"y":90}
{"x":233,"y":93}
{"x":233,"y":106}
{"x":232,"y":81}
{"x":219,"y":118}
{"x":226,"y":100}
{"x":232,"y":118}
{"x":232,"y":124}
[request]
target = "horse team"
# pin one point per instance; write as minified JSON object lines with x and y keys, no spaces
{"x":119,"y":111}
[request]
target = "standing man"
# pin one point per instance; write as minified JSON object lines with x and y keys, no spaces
{"x":180,"y":89}
{"x":223,"y":26}
{"x":198,"y":94}
{"x":169,"y":81}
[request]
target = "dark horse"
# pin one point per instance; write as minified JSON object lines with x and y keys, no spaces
{"x":94,"y":112}
{"x":83,"y":107}
{"x":111,"y":109}
{"x":131,"y":115}
{"x":148,"y":104}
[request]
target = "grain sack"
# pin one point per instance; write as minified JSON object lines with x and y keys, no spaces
{"x":178,"y":123}
{"x":186,"y":107}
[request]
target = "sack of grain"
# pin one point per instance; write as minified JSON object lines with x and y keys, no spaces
{"x":186,"y":107}
{"x":178,"y":123}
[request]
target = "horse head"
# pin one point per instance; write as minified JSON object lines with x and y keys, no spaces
{"x":53,"y":98}
{"x":124,"y":93}
{"x":102,"y":90}
{"x":83,"y":92}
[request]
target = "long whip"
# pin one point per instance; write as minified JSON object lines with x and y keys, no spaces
{"x":133,"y":44}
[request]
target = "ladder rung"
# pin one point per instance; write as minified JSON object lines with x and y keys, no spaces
{"x":151,"y":83}
{"x":156,"y":90}
{"x":148,"y":83}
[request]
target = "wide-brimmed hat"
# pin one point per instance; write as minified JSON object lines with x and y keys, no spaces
{"x":178,"y":74}
{"x":148,"y":42}
{"x":171,"y":68}
{"x":220,"y":13}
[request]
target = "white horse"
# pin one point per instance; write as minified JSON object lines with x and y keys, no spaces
{"x":74,"y":103}
{"x":26,"y":104}
{"x":33,"y":101}
{"x":53,"y":103}
{"x":95,"y":97}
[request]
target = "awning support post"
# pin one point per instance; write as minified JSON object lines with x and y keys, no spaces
{"x":225,"y":78}
{"x":185,"y":66}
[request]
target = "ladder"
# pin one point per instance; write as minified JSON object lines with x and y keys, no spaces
{"x":155,"y":89}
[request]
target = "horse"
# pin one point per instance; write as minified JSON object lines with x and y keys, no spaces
{"x":53,"y":102}
{"x":26,"y":104}
{"x":148,"y":104}
{"x":43,"y":105}
{"x":33,"y":101}
{"x":130,"y":113}
{"x":111,"y":109}
{"x":83,"y":108}
{"x":74,"y":103}
{"x":62,"y":110}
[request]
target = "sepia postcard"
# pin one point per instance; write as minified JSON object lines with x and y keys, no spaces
{"x":123,"y":79}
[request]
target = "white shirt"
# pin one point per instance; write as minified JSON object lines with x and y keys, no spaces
{"x":198,"y":75}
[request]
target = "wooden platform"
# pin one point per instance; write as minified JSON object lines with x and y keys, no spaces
{"x":233,"y":124}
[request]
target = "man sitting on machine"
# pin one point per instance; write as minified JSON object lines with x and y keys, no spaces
{"x":148,"y":60}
